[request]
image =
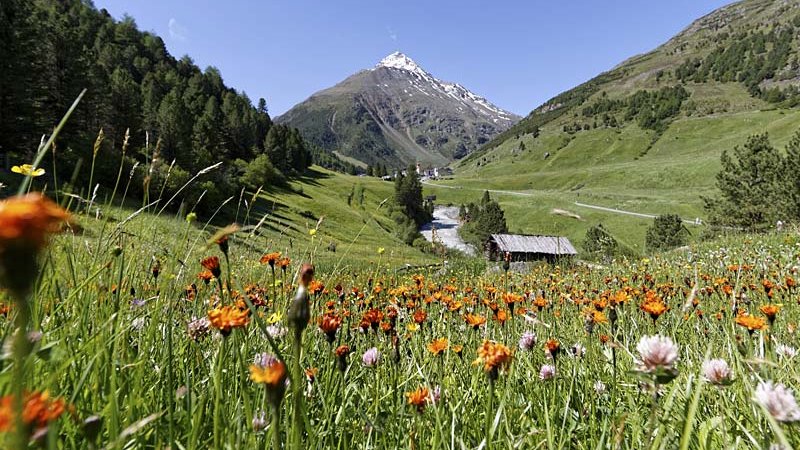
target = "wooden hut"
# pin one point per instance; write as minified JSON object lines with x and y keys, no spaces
{"x":528,"y":248}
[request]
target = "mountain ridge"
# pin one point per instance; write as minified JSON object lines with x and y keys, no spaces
{"x":396,"y":114}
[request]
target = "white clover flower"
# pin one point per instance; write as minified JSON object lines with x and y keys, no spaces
{"x":599,"y":387}
{"x":371,"y":357}
{"x":716,"y":371}
{"x":656,"y":352}
{"x":547,"y":372}
{"x":785,"y":351}
{"x":527,"y":341}
{"x":778,"y":400}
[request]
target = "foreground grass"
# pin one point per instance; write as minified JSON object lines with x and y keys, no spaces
{"x":115,"y":341}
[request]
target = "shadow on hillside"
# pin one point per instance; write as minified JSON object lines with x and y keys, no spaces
{"x":310,"y":176}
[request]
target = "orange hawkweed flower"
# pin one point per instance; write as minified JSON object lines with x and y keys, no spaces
{"x":494,"y":357}
{"x":752,"y":323}
{"x":540,"y":303}
{"x":341,"y":353}
{"x":474,"y":320}
{"x":329,"y":324}
{"x":420,"y":315}
{"x":315,"y":287}
{"x":273,"y":375}
{"x":418,"y":398}
{"x":552,"y":347}
{"x":26,"y":221}
{"x":25,"y":224}
{"x":770,"y":310}
{"x":206,"y":276}
{"x":438,"y":346}
{"x":501,"y":316}
{"x":283,"y":263}
{"x":655,"y":307}
{"x":271,"y":258}
{"x":226,"y":318}
{"x":211,"y":264}
{"x":39,"y":410}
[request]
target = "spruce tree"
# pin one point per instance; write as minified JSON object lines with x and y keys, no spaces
{"x":753,"y":192}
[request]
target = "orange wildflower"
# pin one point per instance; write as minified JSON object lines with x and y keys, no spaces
{"x":315,"y":287}
{"x":438,"y":346}
{"x":655,"y":307}
{"x":494,"y":357}
{"x":752,"y":323}
{"x":211,"y":264}
{"x":273,"y":375}
{"x":26,"y":221}
{"x":475,"y":321}
{"x":205,"y":275}
{"x":329,"y":324}
{"x":271,"y":258}
{"x":770,"y":310}
{"x":552,"y":347}
{"x":418,"y":398}
{"x":420,"y":315}
{"x":226,"y":318}
{"x":311,"y":374}
{"x":38,"y":411}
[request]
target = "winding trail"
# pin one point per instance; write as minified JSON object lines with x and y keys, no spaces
{"x":445,"y":226}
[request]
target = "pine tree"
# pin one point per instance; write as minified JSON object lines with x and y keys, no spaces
{"x":667,"y":232}
{"x":753,"y":191}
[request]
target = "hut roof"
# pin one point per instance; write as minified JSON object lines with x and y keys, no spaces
{"x":519,"y":243}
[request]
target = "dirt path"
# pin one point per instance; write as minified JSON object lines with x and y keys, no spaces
{"x":445,"y":225}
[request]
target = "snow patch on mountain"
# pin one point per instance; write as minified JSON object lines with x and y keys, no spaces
{"x":424,"y":81}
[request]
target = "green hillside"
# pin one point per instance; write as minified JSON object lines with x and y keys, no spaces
{"x":647,"y":136}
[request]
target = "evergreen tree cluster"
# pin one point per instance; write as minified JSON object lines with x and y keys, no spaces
{"x":667,"y":232}
{"x":758,"y":185}
{"x":749,"y":58}
{"x":50,"y":50}
{"x":651,"y":109}
{"x":409,"y":210}
{"x":482,"y":220}
{"x":599,"y":244}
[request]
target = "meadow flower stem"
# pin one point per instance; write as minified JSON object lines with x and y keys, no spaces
{"x":276,"y":426}
{"x":20,"y":351}
{"x":218,"y":395}
{"x":489,"y":413}
{"x":297,"y":395}
{"x":274,"y":299}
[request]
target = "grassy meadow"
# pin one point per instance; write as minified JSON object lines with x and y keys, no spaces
{"x":135,"y":350}
{"x":609,"y":168}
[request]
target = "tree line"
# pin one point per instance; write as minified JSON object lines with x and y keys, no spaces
{"x":750,"y":58}
{"x":167,"y":109}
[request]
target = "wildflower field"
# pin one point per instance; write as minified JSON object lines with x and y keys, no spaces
{"x":151,"y":333}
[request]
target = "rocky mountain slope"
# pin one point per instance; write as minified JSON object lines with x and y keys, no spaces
{"x":397,"y":114}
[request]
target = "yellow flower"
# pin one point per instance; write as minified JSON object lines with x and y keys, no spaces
{"x":312,"y":232}
{"x":275,"y":318}
{"x":381,"y":250}
{"x":28,"y":170}
{"x":412,"y":327}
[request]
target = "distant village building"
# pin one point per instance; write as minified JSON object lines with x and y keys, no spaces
{"x":528,"y":248}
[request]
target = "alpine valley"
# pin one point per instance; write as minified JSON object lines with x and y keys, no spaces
{"x":398,"y":114}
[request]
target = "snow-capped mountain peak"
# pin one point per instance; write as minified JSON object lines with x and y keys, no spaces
{"x":429,"y":85}
{"x":398,"y":60}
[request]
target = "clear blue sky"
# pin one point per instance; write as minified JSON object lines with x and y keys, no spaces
{"x":516,"y":53}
